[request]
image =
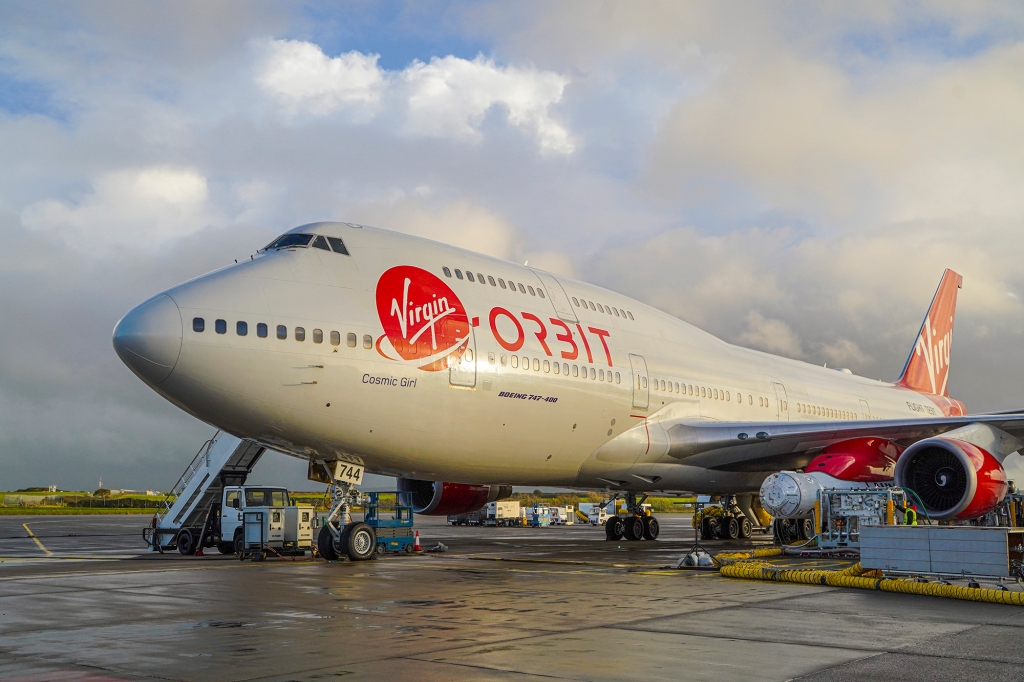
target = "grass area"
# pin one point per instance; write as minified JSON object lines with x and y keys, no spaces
{"x":661,"y":505}
{"x":72,"y":511}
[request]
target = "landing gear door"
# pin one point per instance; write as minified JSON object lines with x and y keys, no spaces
{"x":783,"y":401}
{"x":559,"y":300}
{"x":641,"y":396}
{"x":462,"y":369}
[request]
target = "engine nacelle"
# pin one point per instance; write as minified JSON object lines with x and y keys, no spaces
{"x":438,"y":498}
{"x":953,"y":479}
{"x":868,"y":460}
{"x":791,"y":494}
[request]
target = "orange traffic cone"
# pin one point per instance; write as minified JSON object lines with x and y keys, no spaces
{"x":416,"y":543}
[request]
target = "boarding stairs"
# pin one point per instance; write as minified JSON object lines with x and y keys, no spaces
{"x":224,"y":460}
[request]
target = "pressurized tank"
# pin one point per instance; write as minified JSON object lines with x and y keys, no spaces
{"x":791,"y":494}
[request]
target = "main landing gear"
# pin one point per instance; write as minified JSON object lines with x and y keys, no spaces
{"x":637,"y":524}
{"x":340,"y":537}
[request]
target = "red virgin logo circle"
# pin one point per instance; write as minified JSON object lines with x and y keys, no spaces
{"x":424,"y":321}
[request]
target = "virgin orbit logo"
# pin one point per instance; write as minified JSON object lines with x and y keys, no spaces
{"x":424,"y":321}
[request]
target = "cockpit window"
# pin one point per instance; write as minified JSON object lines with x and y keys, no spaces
{"x":338,"y":246}
{"x":289,"y":241}
{"x":320,"y":243}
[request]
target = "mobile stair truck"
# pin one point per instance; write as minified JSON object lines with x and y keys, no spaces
{"x":208,"y":504}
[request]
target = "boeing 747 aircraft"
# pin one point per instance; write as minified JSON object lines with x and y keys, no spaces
{"x":361,"y":349}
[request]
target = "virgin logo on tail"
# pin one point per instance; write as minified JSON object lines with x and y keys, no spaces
{"x":927,"y":368}
{"x":424,"y":321}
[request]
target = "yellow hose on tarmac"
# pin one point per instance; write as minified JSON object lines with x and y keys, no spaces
{"x":855,"y":577}
{"x":732,"y":557}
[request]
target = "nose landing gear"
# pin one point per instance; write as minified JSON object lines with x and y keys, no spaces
{"x":340,"y":537}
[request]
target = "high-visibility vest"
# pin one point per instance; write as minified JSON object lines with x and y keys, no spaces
{"x":910,"y":517}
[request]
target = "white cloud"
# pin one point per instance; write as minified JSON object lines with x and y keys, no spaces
{"x":773,"y":336}
{"x":303,"y":79}
{"x":448,"y":97}
{"x":140,"y":208}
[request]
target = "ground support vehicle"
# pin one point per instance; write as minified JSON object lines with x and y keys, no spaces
{"x":391,"y":520}
{"x":638,"y":523}
{"x":284,"y":531}
{"x":538,"y":516}
{"x":476,"y":518}
{"x":563,"y":516}
{"x":502,"y":513}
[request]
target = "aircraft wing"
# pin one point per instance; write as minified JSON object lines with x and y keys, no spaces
{"x":750,"y":446}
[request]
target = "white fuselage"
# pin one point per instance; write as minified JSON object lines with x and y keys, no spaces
{"x":488,"y":419}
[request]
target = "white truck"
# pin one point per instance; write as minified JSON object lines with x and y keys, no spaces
{"x":502,"y":513}
{"x":563,"y":516}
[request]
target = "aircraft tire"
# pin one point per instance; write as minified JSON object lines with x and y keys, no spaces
{"x":746,"y":528}
{"x":325,"y":544}
{"x":651,"y":528}
{"x":613,"y":528}
{"x":634,"y":528}
{"x":359,"y":541}
{"x":732,"y":528}
{"x":805,"y":527}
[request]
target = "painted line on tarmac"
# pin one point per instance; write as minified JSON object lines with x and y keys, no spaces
{"x":33,"y":536}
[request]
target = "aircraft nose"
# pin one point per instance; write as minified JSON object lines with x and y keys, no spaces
{"x":148,"y":338}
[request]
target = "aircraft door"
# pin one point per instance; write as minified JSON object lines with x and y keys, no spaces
{"x":558,"y":297}
{"x":783,"y":401}
{"x":462,"y":371}
{"x":641,"y":395}
{"x":865,"y":409}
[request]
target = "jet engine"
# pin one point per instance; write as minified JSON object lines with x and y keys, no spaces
{"x":440,"y":498}
{"x":953,"y":479}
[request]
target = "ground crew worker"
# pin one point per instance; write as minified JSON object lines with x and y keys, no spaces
{"x":910,"y":516}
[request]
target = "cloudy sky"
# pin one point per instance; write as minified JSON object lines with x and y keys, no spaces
{"x":791,"y":176}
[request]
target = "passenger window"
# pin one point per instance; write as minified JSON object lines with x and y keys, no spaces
{"x":501,"y":283}
{"x":458,"y":273}
{"x":350,"y":339}
{"x":703,"y":392}
{"x":221,"y":327}
{"x":511,"y":285}
{"x":728,"y":396}
{"x":300,"y":333}
{"x":540,"y":292}
{"x":242,"y":328}
{"x":575,"y":370}
{"x":547,"y":367}
{"x":593,"y":374}
{"x":469,"y":276}
{"x":261,"y":330}
{"x":526,"y":362}
{"x":447,"y":272}
{"x":557,"y":368}
{"x":335,"y":338}
{"x":490,"y":280}
{"x":515,"y":362}
{"x":318,"y":336}
{"x":504,"y":360}
{"x":616,"y":311}
{"x":607,"y":310}
{"x":320,"y":243}
{"x":536,"y":365}
{"x":367,"y":341}
{"x":198,"y":324}
{"x":576,"y":301}
{"x":630,"y":314}
{"x":616,"y":377}
{"x":480,"y":278}
{"x":714,"y":394}
{"x":591,"y":304}
{"x":600,"y":375}
{"x":532,"y":292}
{"x":600,"y":308}
{"x":338,"y":246}
{"x":750,"y":400}
{"x":282,"y":331}
{"x":521,"y":289}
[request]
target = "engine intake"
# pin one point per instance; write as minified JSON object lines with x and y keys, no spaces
{"x":953,"y":479}
{"x":439,"y":498}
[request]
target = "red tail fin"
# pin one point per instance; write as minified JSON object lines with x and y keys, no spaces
{"x":927,"y":368}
